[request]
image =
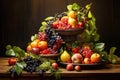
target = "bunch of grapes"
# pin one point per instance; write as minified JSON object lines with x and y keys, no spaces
{"x":31,"y":64}
{"x":41,"y":36}
{"x":53,"y":39}
{"x":86,"y":52}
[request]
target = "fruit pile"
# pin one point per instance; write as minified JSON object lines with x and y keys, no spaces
{"x":67,"y":21}
{"x":84,"y":55}
{"x":75,"y":17}
{"x":47,"y":42}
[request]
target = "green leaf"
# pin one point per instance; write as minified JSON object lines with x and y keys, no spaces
{"x":49,"y":18}
{"x":96,"y":37}
{"x":22,"y":53}
{"x":10,"y":52}
{"x":21,"y":64}
{"x":75,"y":7}
{"x":69,"y":7}
{"x":44,"y":23}
{"x":33,"y":37}
{"x":99,"y":47}
{"x":104,"y":56}
{"x":16,"y":49}
{"x":114,"y":59}
{"x":74,"y":44}
{"x":8,"y":47}
{"x":18,"y":69}
{"x":90,"y":14}
{"x":112,"y":50}
{"x":88,"y":6}
{"x":57,"y":74}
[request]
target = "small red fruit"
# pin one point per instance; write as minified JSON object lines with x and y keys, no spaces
{"x":36,"y":51}
{"x":11,"y":61}
{"x":77,"y":68}
{"x":69,"y":67}
{"x":55,"y":65}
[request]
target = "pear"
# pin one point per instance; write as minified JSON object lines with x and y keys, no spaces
{"x":72,"y":22}
{"x":65,"y":56}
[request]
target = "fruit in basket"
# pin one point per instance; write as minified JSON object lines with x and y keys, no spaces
{"x":69,"y":67}
{"x":64,"y":19}
{"x":95,"y":58}
{"x":77,"y":68}
{"x":11,"y":61}
{"x":77,"y":58}
{"x":55,"y":65}
{"x":87,"y":52}
{"x":72,"y":22}
{"x":36,"y":50}
{"x":29,"y":48}
{"x":65,"y":56}
{"x":34,"y":44}
{"x":72,"y":14}
{"x":42,"y":45}
{"x":87,"y":61}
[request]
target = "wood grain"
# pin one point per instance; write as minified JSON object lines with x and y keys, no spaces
{"x":111,"y":72}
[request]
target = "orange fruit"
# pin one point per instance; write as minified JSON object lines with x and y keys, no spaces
{"x":37,"y":40}
{"x":95,"y":58}
{"x":42,"y":45}
{"x":34,"y":44}
{"x":29,"y":48}
{"x":72,"y":14}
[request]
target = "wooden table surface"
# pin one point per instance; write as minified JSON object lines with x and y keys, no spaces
{"x":109,"y":71}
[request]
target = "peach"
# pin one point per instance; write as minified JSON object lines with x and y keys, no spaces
{"x":77,"y":58}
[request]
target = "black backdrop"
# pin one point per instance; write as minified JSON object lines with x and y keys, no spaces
{"x":22,"y":18}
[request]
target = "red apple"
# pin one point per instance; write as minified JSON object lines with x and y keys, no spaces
{"x":69,"y":67}
{"x":55,"y":65}
{"x":35,"y":50}
{"x":77,"y":68}
{"x":77,"y":58}
{"x":42,"y":45}
{"x":87,"y":61}
{"x":11,"y":61}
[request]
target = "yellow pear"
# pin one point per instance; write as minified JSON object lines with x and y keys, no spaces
{"x":65,"y":56}
{"x":72,"y":22}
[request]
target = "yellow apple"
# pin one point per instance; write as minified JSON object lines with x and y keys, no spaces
{"x":72,"y":22}
{"x":95,"y":58}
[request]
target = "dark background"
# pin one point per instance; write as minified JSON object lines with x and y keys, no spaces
{"x":22,"y":18}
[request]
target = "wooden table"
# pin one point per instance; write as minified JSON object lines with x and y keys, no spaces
{"x":109,"y":72}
